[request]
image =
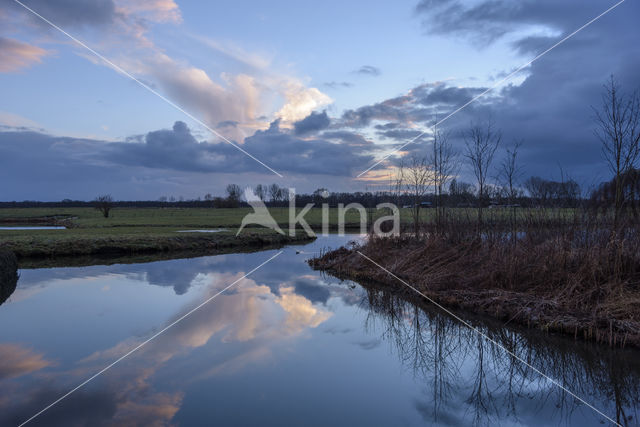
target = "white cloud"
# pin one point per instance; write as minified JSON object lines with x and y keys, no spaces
{"x":300,"y":101}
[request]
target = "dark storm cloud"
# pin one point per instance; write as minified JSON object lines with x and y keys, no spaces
{"x":81,"y":408}
{"x":162,"y":160}
{"x":177,"y":149}
{"x":551,"y":110}
{"x":486,"y":21}
{"x":284,"y":151}
{"x":68,"y":12}
{"x":46,"y":167}
{"x":312,"y":290}
{"x":386,"y":110}
{"x":350,"y":137}
{"x":312,"y":123}
{"x":173,"y":149}
{"x":421,"y":104}
{"x":533,"y":44}
{"x":442,"y":95}
{"x":368,"y":70}
{"x":402,"y":135}
{"x":388,"y":126}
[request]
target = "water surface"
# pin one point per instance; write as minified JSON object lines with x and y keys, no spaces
{"x":285,"y":346}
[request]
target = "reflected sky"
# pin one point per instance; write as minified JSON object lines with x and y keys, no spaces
{"x":286,"y":345}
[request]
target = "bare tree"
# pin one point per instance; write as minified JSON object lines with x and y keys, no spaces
{"x":104,"y":204}
{"x":261,"y":191}
{"x":538,"y":189}
{"x":619,"y":131}
{"x":482,"y":141}
{"x":275,"y":193}
{"x":442,"y":161}
{"x":510,"y":174}
{"x":234,"y":194}
{"x":416,"y":177}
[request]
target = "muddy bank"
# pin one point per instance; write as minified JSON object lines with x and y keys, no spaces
{"x":111,"y":259}
{"x":8,"y":274}
{"x":593,"y":295}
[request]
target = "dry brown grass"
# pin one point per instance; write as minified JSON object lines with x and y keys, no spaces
{"x":574,"y":276}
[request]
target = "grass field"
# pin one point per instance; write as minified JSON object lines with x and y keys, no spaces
{"x":230,"y":218}
{"x":170,"y":217}
{"x":133,"y":231}
{"x":145,"y":230}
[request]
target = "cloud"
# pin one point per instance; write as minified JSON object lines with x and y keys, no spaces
{"x":10,"y":121}
{"x":164,"y":161}
{"x":300,"y":101}
{"x":486,"y":21}
{"x":16,"y":55}
{"x":312,"y":290}
{"x":402,"y":135}
{"x":70,"y":12}
{"x":227,"y":123}
{"x":439,"y":94}
{"x":241,"y":98}
{"x":301,"y":313}
{"x":122,"y":32}
{"x":420,"y":104}
{"x":157,"y":10}
{"x":370,"y":344}
{"x":174,"y":149}
{"x":551,"y":108}
{"x":284,"y":151}
{"x":237,"y":100}
{"x":80,"y":408}
{"x":368,"y":70}
{"x":312,"y":123}
{"x":177,"y":149}
{"x":336,"y":85}
{"x":16,"y":360}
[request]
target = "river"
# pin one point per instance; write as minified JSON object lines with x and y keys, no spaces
{"x":284,"y":346}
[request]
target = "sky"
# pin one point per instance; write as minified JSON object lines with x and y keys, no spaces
{"x":315,"y":92}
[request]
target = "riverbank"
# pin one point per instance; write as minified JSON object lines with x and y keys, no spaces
{"x":121,"y":241}
{"x":132,"y":232}
{"x":8,"y":274}
{"x":589,"y":291}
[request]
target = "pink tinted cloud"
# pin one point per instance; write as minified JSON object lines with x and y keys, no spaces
{"x":16,"y":55}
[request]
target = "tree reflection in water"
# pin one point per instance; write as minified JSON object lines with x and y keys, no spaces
{"x":460,"y":367}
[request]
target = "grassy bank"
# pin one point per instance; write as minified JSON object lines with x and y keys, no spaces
{"x":578,"y":279}
{"x":132,"y":241}
{"x":131,"y":231}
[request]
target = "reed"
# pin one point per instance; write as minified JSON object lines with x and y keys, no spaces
{"x":575,"y":274}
